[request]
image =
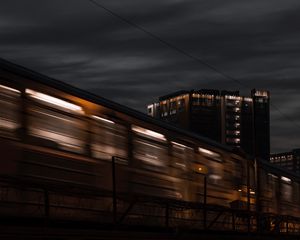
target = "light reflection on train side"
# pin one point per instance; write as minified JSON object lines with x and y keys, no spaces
{"x":148,"y":132}
{"x":8,"y":124}
{"x":103,"y":119}
{"x":208,"y":152}
{"x":9,"y":89}
{"x":53,"y":100}
{"x":179,"y":145}
{"x":285,"y":179}
{"x":9,"y":111}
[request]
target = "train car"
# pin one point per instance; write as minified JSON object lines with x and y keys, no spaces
{"x":53,"y":134}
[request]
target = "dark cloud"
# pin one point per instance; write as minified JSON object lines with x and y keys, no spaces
{"x":256,"y":42}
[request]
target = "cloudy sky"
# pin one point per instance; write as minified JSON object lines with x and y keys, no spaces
{"x":256,"y":42}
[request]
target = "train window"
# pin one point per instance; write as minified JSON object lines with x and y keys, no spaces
{"x":57,"y":129}
{"x":108,"y":139}
{"x":153,"y":155}
{"x":287,"y":191}
{"x":54,"y":120}
{"x":182,"y":155}
{"x":9,"y":111}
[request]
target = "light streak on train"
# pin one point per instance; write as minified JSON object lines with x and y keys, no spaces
{"x":103,"y":119}
{"x":53,"y":100}
{"x":148,"y":132}
{"x":9,"y":89}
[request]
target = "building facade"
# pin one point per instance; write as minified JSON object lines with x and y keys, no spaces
{"x":288,"y":160}
{"x":223,"y":116}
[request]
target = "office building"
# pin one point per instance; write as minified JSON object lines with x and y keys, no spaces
{"x":288,"y":160}
{"x":223,"y":116}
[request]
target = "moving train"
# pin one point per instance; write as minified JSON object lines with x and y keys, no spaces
{"x":54,"y":134}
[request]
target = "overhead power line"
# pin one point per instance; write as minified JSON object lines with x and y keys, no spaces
{"x":183,"y":52}
{"x":170,"y":45}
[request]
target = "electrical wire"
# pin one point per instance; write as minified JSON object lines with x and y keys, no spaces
{"x":183,"y":52}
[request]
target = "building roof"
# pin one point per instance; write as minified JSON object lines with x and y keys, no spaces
{"x":174,"y":94}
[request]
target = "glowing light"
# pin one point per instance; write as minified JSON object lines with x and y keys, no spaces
{"x":232,"y":97}
{"x":272,"y":175}
{"x":53,"y":100}
{"x":151,"y":156}
{"x":208,"y":152}
{"x":252,"y":192}
{"x":180,"y":145}
{"x":261,"y":93}
{"x":148,"y":132}
{"x":248,"y":99}
{"x":285,"y":179}
{"x":8,"y":124}
{"x":10,"y":89}
{"x":239,"y":190}
{"x":202,"y":169}
{"x":215,"y":177}
{"x":103,"y":119}
{"x":180,"y":164}
{"x":150,"y":159}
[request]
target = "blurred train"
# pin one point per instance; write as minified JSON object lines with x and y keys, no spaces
{"x":53,"y":133}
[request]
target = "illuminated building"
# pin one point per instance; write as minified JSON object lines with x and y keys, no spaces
{"x":225,"y":117}
{"x":288,"y":160}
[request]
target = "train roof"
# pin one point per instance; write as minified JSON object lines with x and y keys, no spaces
{"x":54,"y":83}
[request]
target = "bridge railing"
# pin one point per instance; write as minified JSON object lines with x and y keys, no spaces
{"x":31,"y":199}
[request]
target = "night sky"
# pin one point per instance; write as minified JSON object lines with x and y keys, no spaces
{"x":256,"y":42}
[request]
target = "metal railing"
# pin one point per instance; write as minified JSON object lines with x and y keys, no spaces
{"x":31,"y":199}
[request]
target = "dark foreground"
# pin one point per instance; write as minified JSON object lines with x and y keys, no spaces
{"x":45,"y":229}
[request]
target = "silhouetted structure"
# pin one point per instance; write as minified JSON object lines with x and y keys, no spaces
{"x":223,"y":116}
{"x":288,"y":160}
